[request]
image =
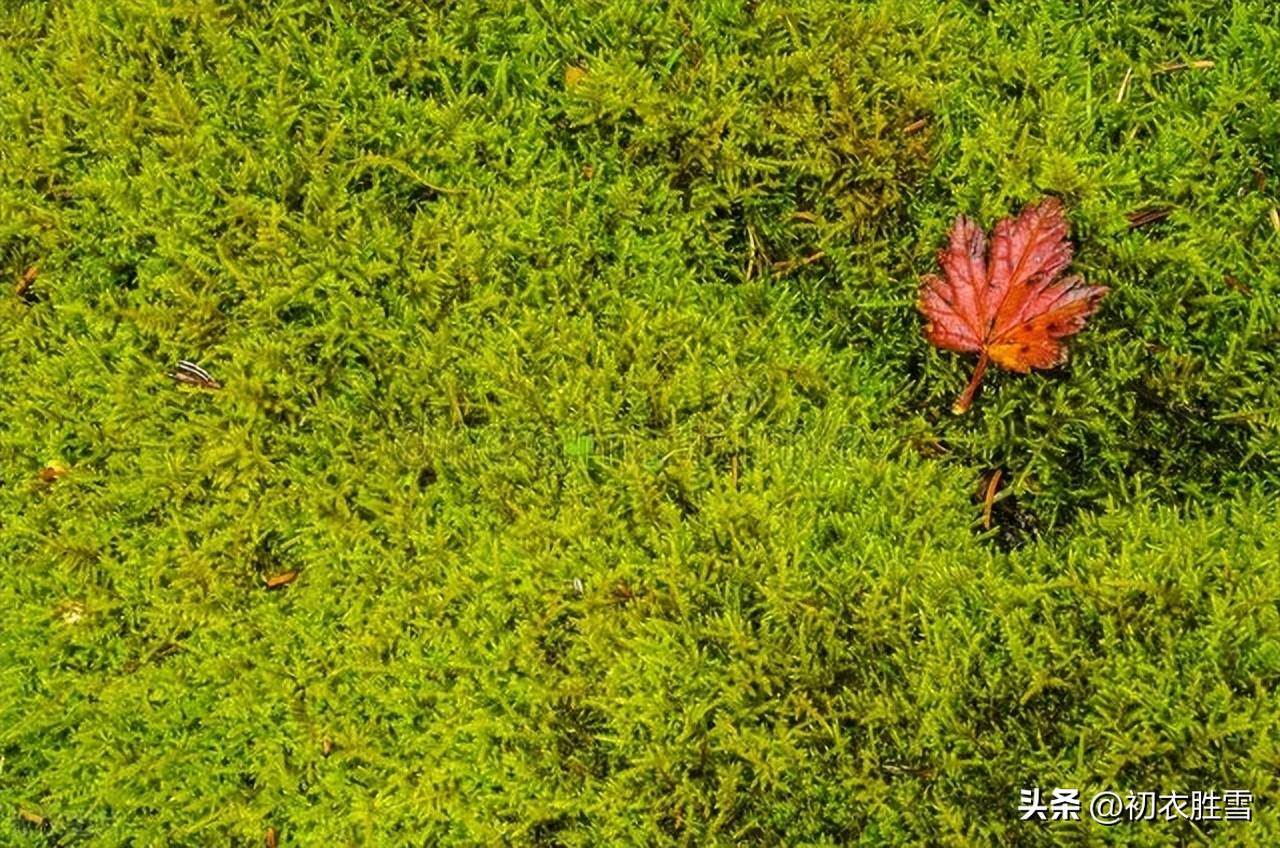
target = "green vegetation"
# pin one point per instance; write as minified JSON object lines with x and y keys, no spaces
{"x":570,"y":357}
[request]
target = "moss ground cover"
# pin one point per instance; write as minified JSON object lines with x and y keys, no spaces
{"x":571,"y":359}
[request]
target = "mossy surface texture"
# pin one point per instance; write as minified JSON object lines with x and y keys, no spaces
{"x":570,"y":357}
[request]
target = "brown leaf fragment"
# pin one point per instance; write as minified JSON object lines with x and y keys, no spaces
{"x":989,"y":499}
{"x":915,"y":126}
{"x":1148,"y":215}
{"x":270,"y":839}
{"x":276,"y":581}
{"x":52,"y":472}
{"x":1235,"y":285}
{"x":623,"y":593}
{"x":1010,"y":305}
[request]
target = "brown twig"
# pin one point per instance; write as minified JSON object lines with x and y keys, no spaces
{"x":33,"y":819}
{"x":1124,"y":86}
{"x":961,"y":406}
{"x":25,"y":281}
{"x":989,"y":498}
{"x":1197,"y":65}
{"x":786,"y":265}
{"x":915,"y":126}
{"x":1148,"y":215}
{"x":193,"y":375}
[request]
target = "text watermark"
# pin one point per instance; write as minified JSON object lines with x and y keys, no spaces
{"x":1108,"y":808}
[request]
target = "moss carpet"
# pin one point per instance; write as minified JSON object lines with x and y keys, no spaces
{"x":570,"y":358}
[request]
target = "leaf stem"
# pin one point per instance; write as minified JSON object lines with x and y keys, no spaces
{"x":961,"y":406}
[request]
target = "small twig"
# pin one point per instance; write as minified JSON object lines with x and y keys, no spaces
{"x":33,"y":818}
{"x":786,"y":265}
{"x":1124,"y":86}
{"x":193,"y":375}
{"x":1197,"y":65}
{"x":1148,"y":215}
{"x":961,"y":406}
{"x":990,"y":497}
{"x":915,"y":126}
{"x":1250,"y":416}
{"x":25,"y":281}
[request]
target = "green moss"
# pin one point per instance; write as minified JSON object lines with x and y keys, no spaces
{"x":594,"y":412}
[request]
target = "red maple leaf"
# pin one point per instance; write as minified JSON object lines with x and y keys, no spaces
{"x":1010,"y":307}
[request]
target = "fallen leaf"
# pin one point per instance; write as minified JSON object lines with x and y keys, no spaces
{"x":277,"y":580}
{"x":1010,"y":307}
